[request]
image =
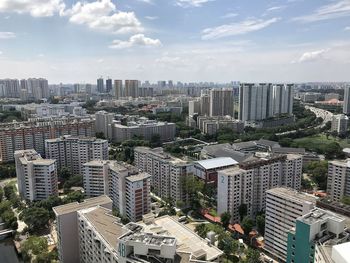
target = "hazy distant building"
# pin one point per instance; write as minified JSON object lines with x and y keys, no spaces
{"x":205,"y":105}
{"x":264,"y":100}
{"x":100,"y":85}
{"x":118,"y":89}
{"x":346,"y":107}
{"x":109,"y":85}
{"x":36,"y":177}
{"x":340,"y":123}
{"x":331,"y":96}
{"x":131,"y":88}
{"x":221,"y":102}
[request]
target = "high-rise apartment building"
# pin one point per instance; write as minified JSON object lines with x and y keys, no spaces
{"x":10,"y":88}
{"x":92,"y":234}
{"x":340,"y":123}
{"x":248,"y":182}
{"x":103,"y":122}
{"x":68,"y":230}
{"x":109,"y":85}
{"x":283,"y":207}
{"x":338,"y":179}
{"x":32,"y":134}
{"x":72,"y":152}
{"x":167,"y":172}
{"x":314,"y":235}
{"x":264,"y":100}
{"x":100,"y":85}
{"x":131,"y":88}
{"x":118,"y":89}
{"x":205,"y":105}
{"x":36,"y":177}
{"x":128,"y":188}
{"x":346,"y":106}
{"x":221,"y":102}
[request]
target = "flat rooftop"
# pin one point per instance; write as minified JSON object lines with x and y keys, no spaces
{"x":217,"y":162}
{"x":138,"y":177}
{"x":318,"y":214}
{"x":292,"y":194}
{"x":187,"y":240}
{"x":105,"y":224}
{"x":74,"y":207}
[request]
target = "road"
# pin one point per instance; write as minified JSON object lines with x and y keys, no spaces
{"x":324,"y":114}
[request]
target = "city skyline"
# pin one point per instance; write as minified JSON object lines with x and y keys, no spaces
{"x":291,"y":40}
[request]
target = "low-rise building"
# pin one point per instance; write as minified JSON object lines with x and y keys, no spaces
{"x":36,"y":177}
{"x":211,"y":125}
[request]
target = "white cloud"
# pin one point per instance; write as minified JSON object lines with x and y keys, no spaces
{"x":151,"y":17}
{"x":330,"y":11}
{"x":7,"y":35}
{"x":103,"y":15}
{"x":136,"y":40}
{"x":192,"y":3}
{"x":275,"y":8}
{"x":347,"y":28}
{"x":233,"y":29}
{"x":150,"y":2}
{"x":1,"y":53}
{"x":229,"y":15}
{"x":36,"y":8}
{"x":312,"y":55}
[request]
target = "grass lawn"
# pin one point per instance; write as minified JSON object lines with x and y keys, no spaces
{"x":320,"y":141}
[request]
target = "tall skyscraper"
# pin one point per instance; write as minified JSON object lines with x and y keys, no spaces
{"x":221,"y":102}
{"x":283,"y":207}
{"x":118,"y":89}
{"x":100,"y":85}
{"x":131,"y":88}
{"x":109,"y":85}
{"x":346,"y":107}
{"x":37,"y":177}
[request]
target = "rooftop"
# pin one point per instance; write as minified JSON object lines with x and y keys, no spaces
{"x":318,"y":215}
{"x":217,"y":162}
{"x":292,"y":194}
{"x":74,"y":207}
{"x":187,"y":240}
{"x":138,"y":177}
{"x":105,"y":224}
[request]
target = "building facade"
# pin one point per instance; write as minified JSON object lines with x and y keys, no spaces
{"x":338,"y":179}
{"x":128,"y":188}
{"x":36,"y":177}
{"x":72,"y":152}
{"x":283,"y":207}
{"x":32,"y":134}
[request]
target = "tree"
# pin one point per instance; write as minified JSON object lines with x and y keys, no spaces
{"x":49,"y":203}
{"x":228,"y":244}
{"x":100,"y":135}
{"x":260,"y":224}
{"x":76,"y":196}
{"x":32,"y":247}
{"x":252,"y":256}
{"x":155,"y":141}
{"x":1,"y":194}
{"x":242,"y":210}
{"x":76,"y":180}
{"x":36,"y":218}
{"x":225,"y":219}
{"x":346,"y":200}
{"x":247,"y":225}
{"x":201,"y":230}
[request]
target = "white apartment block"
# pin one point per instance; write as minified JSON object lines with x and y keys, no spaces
{"x":32,"y":134}
{"x":340,"y":123}
{"x":68,"y":228}
{"x":96,"y":236}
{"x":72,"y":152}
{"x":283,"y":207}
{"x":36,"y":177}
{"x":103,"y":121}
{"x":248,"y":182}
{"x":338,"y":180}
{"x":128,"y":188}
{"x":264,"y":100}
{"x":167,"y":172}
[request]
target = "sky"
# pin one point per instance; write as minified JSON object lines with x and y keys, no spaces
{"x":73,"y":41}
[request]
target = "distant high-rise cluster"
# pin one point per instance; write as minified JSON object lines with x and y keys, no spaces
{"x":25,"y":89}
{"x":264,"y":100}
